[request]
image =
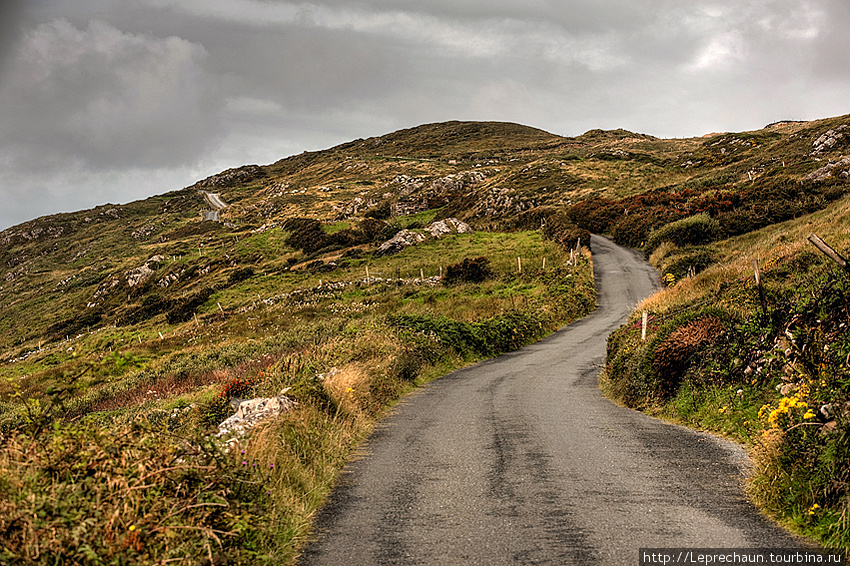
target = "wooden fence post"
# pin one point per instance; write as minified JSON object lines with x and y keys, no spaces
{"x":829,"y":252}
{"x":760,"y":287}
{"x":643,"y":325}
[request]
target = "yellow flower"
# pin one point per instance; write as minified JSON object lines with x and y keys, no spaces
{"x":721,"y":410}
{"x":132,"y":528}
{"x":809,"y":414}
{"x":813,"y":508}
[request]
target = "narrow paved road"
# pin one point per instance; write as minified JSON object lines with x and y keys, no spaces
{"x":520,"y":460}
{"x":214,"y":200}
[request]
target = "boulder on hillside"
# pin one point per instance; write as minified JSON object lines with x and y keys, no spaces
{"x":448,"y":226}
{"x":400,"y":241}
{"x":437,"y":229}
{"x":249,"y":414}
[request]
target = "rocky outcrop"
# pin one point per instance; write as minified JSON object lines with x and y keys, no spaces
{"x":141,"y":274}
{"x":448,"y":226}
{"x":232,"y":177}
{"x":840,"y":169}
{"x":458,"y":182}
{"x":437,"y":229}
{"x":830,"y":139}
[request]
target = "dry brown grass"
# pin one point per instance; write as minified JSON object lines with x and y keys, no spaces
{"x":349,"y":386}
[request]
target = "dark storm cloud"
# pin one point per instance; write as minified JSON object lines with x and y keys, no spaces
{"x":144,"y":95}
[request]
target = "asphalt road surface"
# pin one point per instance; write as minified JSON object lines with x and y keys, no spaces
{"x":520,"y":460}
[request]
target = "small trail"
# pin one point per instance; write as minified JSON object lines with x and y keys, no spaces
{"x":520,"y":460}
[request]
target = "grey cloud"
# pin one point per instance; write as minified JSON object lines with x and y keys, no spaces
{"x":10,"y":11}
{"x":110,"y":89}
{"x":106,"y":97}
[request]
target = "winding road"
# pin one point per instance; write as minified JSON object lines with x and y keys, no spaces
{"x":520,"y":460}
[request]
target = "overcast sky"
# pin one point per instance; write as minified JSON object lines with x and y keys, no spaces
{"x":112,"y":101}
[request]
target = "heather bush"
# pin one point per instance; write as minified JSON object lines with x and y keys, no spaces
{"x":673,"y":355}
{"x":595,"y":215}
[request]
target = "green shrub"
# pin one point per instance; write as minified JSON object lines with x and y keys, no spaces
{"x":305,"y":234}
{"x":485,"y":338}
{"x":682,"y":262}
{"x":690,"y":231}
{"x":184,"y":309}
{"x":240,"y":274}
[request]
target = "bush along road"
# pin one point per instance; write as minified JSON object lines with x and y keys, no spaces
{"x":521,"y":460}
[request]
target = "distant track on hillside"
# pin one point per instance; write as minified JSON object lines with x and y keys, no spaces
{"x":520,"y":460}
{"x":214,"y":200}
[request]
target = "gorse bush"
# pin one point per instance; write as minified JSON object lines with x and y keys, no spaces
{"x":678,"y":263}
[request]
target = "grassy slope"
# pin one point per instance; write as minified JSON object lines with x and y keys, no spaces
{"x":344,"y":350}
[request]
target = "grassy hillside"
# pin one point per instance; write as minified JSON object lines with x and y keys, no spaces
{"x":125,"y":328}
